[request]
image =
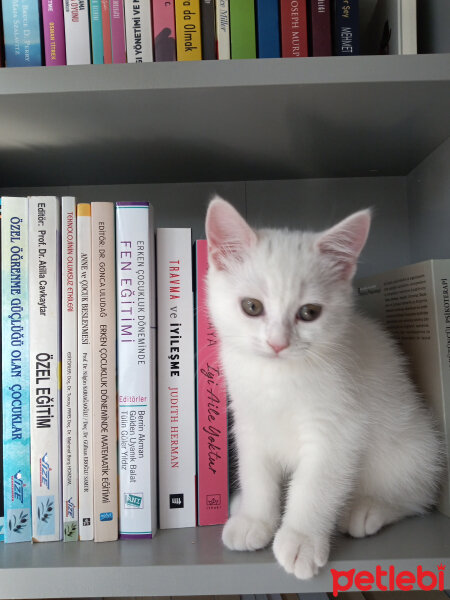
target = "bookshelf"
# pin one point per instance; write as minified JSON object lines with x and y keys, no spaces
{"x":289,"y":142}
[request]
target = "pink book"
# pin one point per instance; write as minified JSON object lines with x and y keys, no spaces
{"x":212,"y":442}
{"x":54,"y":34}
{"x":164,"y":30}
{"x":118,"y":32}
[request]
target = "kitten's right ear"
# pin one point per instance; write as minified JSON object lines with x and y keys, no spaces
{"x":228,"y":233}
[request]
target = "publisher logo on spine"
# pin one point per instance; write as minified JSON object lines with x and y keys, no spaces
{"x":70,"y":508}
{"x":106,"y":516}
{"x":135,"y":500}
{"x":44,"y":471}
{"x":213,"y":501}
{"x":17,"y":486}
{"x":176,"y":501}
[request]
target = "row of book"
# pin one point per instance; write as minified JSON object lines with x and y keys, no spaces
{"x":54,"y":32}
{"x":80,"y":458}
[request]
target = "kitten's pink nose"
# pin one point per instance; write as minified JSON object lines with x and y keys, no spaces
{"x":278,"y":347}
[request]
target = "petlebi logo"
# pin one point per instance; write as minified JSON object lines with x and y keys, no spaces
{"x":45,"y":471}
{"x":17,"y":486}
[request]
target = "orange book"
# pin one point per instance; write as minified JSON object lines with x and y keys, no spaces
{"x":188,"y":32}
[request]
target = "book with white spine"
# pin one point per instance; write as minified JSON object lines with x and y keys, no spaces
{"x":138,"y":30}
{"x":84,"y":285}
{"x":77,"y":29}
{"x":69,"y":366}
{"x":45,"y":392}
{"x":223,"y":29}
{"x":176,"y":386}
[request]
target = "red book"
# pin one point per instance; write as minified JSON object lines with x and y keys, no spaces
{"x":106,"y":24}
{"x":294,"y":36}
{"x":320,"y":33}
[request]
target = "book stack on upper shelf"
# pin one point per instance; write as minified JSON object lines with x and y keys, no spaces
{"x":53,"y":32}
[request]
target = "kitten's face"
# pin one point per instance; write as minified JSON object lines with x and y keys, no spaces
{"x":278,"y":294}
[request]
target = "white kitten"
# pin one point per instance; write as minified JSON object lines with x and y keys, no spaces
{"x":319,"y":393}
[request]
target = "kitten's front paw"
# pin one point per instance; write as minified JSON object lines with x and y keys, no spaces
{"x":244,"y":533}
{"x":299,"y":553}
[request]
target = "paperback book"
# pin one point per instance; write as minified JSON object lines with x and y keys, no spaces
{"x":118,"y":42}
{"x":15,"y":371}
{"x":223,"y":29}
{"x":54,"y":35}
{"x":22,"y":33}
{"x":268,"y":26}
{"x":106,"y":32}
{"x":242,"y":29}
{"x":294,"y":29}
{"x":320,"y":29}
{"x":187,"y":23}
{"x":45,"y":392}
{"x":138,"y":28}
{"x":136,"y":344}
{"x":2,"y":504}
{"x":346,"y":27}
{"x":414,"y":304}
{"x":96,"y":31}
{"x":164,"y":36}
{"x":76,"y":25}
{"x":392,"y":28}
{"x":176,"y":388}
{"x":208,"y":29}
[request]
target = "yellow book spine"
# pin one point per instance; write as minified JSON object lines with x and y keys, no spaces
{"x":187,"y":19}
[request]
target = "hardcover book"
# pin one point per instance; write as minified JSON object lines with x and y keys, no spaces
{"x":346,"y":27}
{"x":22,"y":33}
{"x":106,"y":514}
{"x":413,"y":304}
{"x":176,"y":388}
{"x":136,"y":344}
{"x":15,"y":370}
{"x":138,"y":28}
{"x":76,"y":25}
{"x":45,"y":391}
{"x":187,"y":21}
{"x":223,"y":29}
{"x":118,"y":42}
{"x":320,"y":30}
{"x":212,"y":438}
{"x":242,"y":29}
{"x":392,"y":28}
{"x":106,"y":32}
{"x":54,"y":35}
{"x":85,"y":409}
{"x":96,"y":31}
{"x":208,"y":29}
{"x":69,"y":367}
{"x":164,"y":37}
{"x":268,"y":26}
{"x":294,"y":29}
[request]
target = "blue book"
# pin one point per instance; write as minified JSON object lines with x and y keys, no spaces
{"x":15,"y":370}
{"x":268,"y":28}
{"x":96,"y":32}
{"x":346,"y":27}
{"x":22,"y":33}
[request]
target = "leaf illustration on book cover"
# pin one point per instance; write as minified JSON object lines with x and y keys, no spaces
{"x":70,"y":530}
{"x":17,"y":525}
{"x":44,"y":511}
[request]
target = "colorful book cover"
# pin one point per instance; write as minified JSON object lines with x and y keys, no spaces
{"x":176,"y":387}
{"x":268,"y":26}
{"x":54,"y":34}
{"x":104,"y":391}
{"x":242,"y":29}
{"x":118,"y":42}
{"x":346,"y":27}
{"x":208,"y":29}
{"x":106,"y":31}
{"x":69,"y":367}
{"x":212,"y":426}
{"x":294,"y":29}
{"x":76,"y":25}
{"x":45,"y":391}
{"x":138,"y":29}
{"x":188,"y":27}
{"x":85,"y":442}
{"x":96,"y":31}
{"x":22,"y":33}
{"x":223,"y":29}
{"x":136,"y":330}
{"x":15,"y":370}
{"x":164,"y":36}
{"x":320,"y":30}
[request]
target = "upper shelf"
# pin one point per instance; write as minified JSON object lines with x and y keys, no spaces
{"x":222,"y":120}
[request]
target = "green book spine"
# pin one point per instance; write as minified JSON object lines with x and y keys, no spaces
{"x":242,"y":29}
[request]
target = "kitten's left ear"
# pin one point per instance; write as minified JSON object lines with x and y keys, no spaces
{"x":343,"y":242}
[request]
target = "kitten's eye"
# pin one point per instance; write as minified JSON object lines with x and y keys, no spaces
{"x":309,"y":312}
{"x":252,"y":307}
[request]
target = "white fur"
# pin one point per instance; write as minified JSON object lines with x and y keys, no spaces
{"x":334,"y":413}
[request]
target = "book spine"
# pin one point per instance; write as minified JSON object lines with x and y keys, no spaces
{"x":176,"y":390}
{"x":138,"y":28}
{"x":223,"y":29}
{"x":2,"y":503}
{"x":2,"y":41}
{"x":346,"y":27}
{"x":69,"y":367}
{"x":15,"y":370}
{"x":45,"y":398}
{"x":96,"y":31}
{"x":321,"y":40}
{"x":76,"y":25}
{"x":117,"y":32}
{"x":268,"y":25}
{"x":242,"y":29}
{"x":164,"y":37}
{"x":22,"y":33}
{"x":54,"y":36}
{"x":188,"y":27}
{"x":85,"y":442}
{"x":106,"y":31}
{"x":294,"y":29}
{"x":208,"y":29}
{"x":212,"y":438}
{"x":135,"y":257}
